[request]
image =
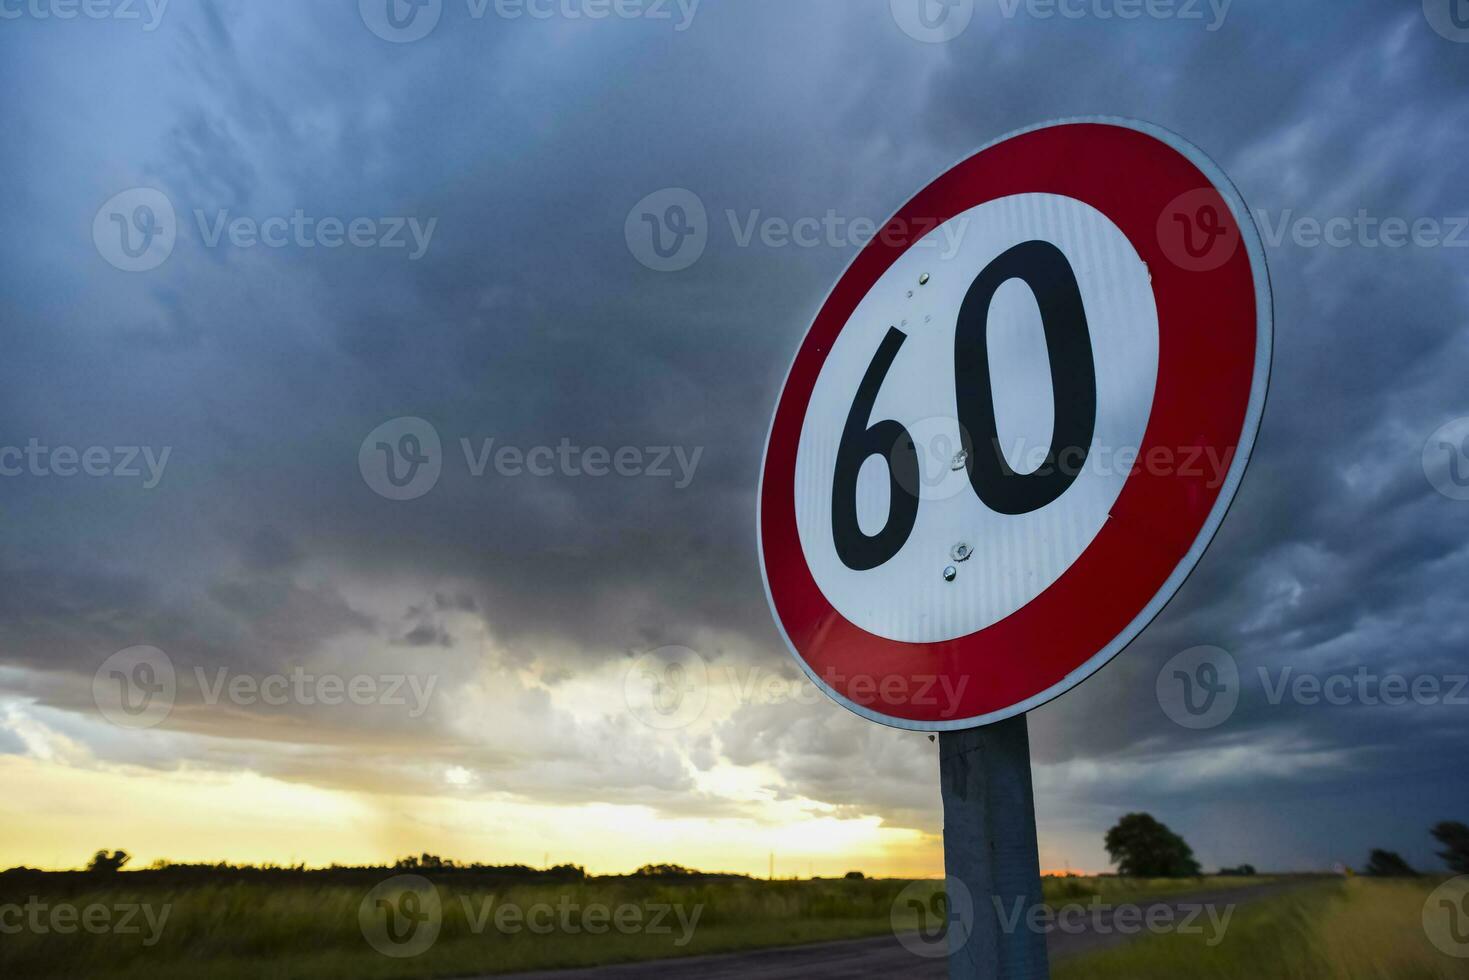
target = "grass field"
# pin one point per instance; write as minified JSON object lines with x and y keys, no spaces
{"x":1354,"y":929}
{"x":252,"y":930}
{"x":308,"y":928}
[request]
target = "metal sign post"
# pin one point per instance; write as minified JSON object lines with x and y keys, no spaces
{"x":990,"y":845}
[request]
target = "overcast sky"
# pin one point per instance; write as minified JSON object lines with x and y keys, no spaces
{"x":489,"y":290}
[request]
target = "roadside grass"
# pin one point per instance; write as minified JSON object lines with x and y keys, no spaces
{"x":1118,"y":891}
{"x":251,"y":930}
{"x":309,"y":929}
{"x":1356,"y":929}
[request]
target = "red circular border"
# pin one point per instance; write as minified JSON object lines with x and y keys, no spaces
{"x":1207,"y":347}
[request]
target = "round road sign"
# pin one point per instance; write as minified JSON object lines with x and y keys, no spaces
{"x":1015,"y":424}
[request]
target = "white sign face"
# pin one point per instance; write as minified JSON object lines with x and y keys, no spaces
{"x":1013,"y":557}
{"x":1015,"y":424}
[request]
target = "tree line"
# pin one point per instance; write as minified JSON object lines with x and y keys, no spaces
{"x":1142,"y":847}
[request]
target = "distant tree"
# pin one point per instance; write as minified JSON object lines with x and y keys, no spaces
{"x":1388,"y":864}
{"x":104,"y":863}
{"x":1243,"y":871}
{"x":854,"y":876}
{"x":423,"y":862}
{"x":664,"y":871}
{"x":1141,"y":847}
{"x":1454,"y":836}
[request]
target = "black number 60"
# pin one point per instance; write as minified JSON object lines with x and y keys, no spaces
{"x":1044,"y":268}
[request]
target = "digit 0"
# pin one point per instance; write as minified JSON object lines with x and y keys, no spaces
{"x":1042,"y":267}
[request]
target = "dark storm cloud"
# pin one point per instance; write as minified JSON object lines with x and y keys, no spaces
{"x":527,"y":320}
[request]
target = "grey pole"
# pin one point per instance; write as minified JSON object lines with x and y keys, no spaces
{"x":990,"y":846}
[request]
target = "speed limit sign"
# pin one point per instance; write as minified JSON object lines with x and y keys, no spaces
{"x":1015,"y":424}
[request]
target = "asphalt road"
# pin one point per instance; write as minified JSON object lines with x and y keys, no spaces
{"x":885,"y":956}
